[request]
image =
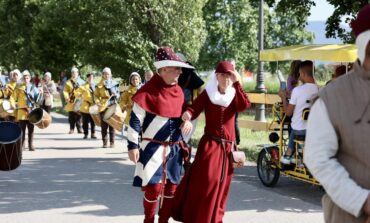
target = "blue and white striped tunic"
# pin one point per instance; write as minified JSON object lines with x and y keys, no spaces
{"x":149,"y":168}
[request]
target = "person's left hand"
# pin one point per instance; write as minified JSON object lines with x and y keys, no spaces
{"x":186,"y":116}
{"x":186,"y":127}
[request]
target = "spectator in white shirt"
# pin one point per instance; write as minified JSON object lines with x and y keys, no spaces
{"x":337,"y":144}
{"x":301,"y":98}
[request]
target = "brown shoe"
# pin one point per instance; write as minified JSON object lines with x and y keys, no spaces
{"x":105,"y":145}
{"x":31,"y":148}
{"x":93,"y":136}
{"x":112,"y":145}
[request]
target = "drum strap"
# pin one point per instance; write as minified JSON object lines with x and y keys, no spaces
{"x":165,"y":144}
{"x":75,"y":84}
{"x":30,"y":97}
{"x":92,"y":94}
{"x":72,"y":94}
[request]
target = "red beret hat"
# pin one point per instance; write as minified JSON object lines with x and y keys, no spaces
{"x":362,"y":22}
{"x":224,"y":67}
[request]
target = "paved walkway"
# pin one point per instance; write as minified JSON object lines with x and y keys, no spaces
{"x":70,"y":180}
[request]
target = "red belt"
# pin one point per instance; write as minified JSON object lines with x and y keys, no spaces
{"x":223,"y":146}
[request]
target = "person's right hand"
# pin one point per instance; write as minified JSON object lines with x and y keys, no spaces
{"x":134,"y":155}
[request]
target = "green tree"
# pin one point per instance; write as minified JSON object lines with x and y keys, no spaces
{"x":232,"y":27}
{"x":120,"y":34}
{"x":346,"y":9}
{"x":232,"y":32}
{"x":16,"y":28}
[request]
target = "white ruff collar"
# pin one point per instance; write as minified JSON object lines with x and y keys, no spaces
{"x":361,"y":42}
{"x":215,"y":96}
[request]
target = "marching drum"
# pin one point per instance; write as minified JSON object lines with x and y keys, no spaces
{"x":77,"y":105}
{"x":5,"y":109}
{"x":94,"y":113}
{"x":40,"y":118}
{"x":114,"y":117}
{"x":10,"y":146}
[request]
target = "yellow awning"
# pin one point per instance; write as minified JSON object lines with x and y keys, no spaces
{"x":324,"y":52}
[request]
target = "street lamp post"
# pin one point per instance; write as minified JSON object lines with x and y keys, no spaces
{"x":260,"y":88}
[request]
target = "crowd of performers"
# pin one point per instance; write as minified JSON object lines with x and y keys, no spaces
{"x":159,"y":116}
{"x":83,"y":100}
{"x":18,"y":96}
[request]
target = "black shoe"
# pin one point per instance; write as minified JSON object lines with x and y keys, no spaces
{"x":79,"y":131}
{"x":93,"y":136}
{"x":31,"y":148}
{"x":85,"y":137}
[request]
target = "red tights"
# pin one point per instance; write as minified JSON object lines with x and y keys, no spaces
{"x":151,"y":194}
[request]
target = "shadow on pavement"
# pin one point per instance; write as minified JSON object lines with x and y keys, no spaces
{"x":55,"y":183}
{"x":43,"y":184}
{"x":259,"y":198}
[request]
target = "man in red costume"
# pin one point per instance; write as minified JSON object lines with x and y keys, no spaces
{"x":154,"y":135}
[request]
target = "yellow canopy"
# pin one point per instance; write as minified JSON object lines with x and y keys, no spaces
{"x":324,"y":52}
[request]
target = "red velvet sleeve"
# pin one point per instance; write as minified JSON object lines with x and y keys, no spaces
{"x":241,"y":98}
{"x":198,"y":106}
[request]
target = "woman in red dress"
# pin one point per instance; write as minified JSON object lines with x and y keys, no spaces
{"x":207,"y":183}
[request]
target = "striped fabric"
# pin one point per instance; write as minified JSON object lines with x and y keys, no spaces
{"x":149,"y":169}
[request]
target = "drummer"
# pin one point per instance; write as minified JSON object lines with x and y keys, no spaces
{"x":14,"y":76}
{"x":106,"y":94}
{"x":125,"y":101}
{"x":86,"y":91}
{"x":74,"y":118}
{"x":23,"y":99}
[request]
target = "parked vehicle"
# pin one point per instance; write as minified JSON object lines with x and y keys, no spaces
{"x":269,"y":166}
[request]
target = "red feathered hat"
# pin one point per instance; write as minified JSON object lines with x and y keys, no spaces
{"x":166,"y":57}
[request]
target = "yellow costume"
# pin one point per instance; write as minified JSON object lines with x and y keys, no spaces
{"x":101,"y":96}
{"x":69,"y":93}
{"x":19,"y":101}
{"x":126,"y":102}
{"x":87,"y":97}
{"x":8,"y":91}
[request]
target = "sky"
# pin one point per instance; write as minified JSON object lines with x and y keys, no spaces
{"x":321,"y":11}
